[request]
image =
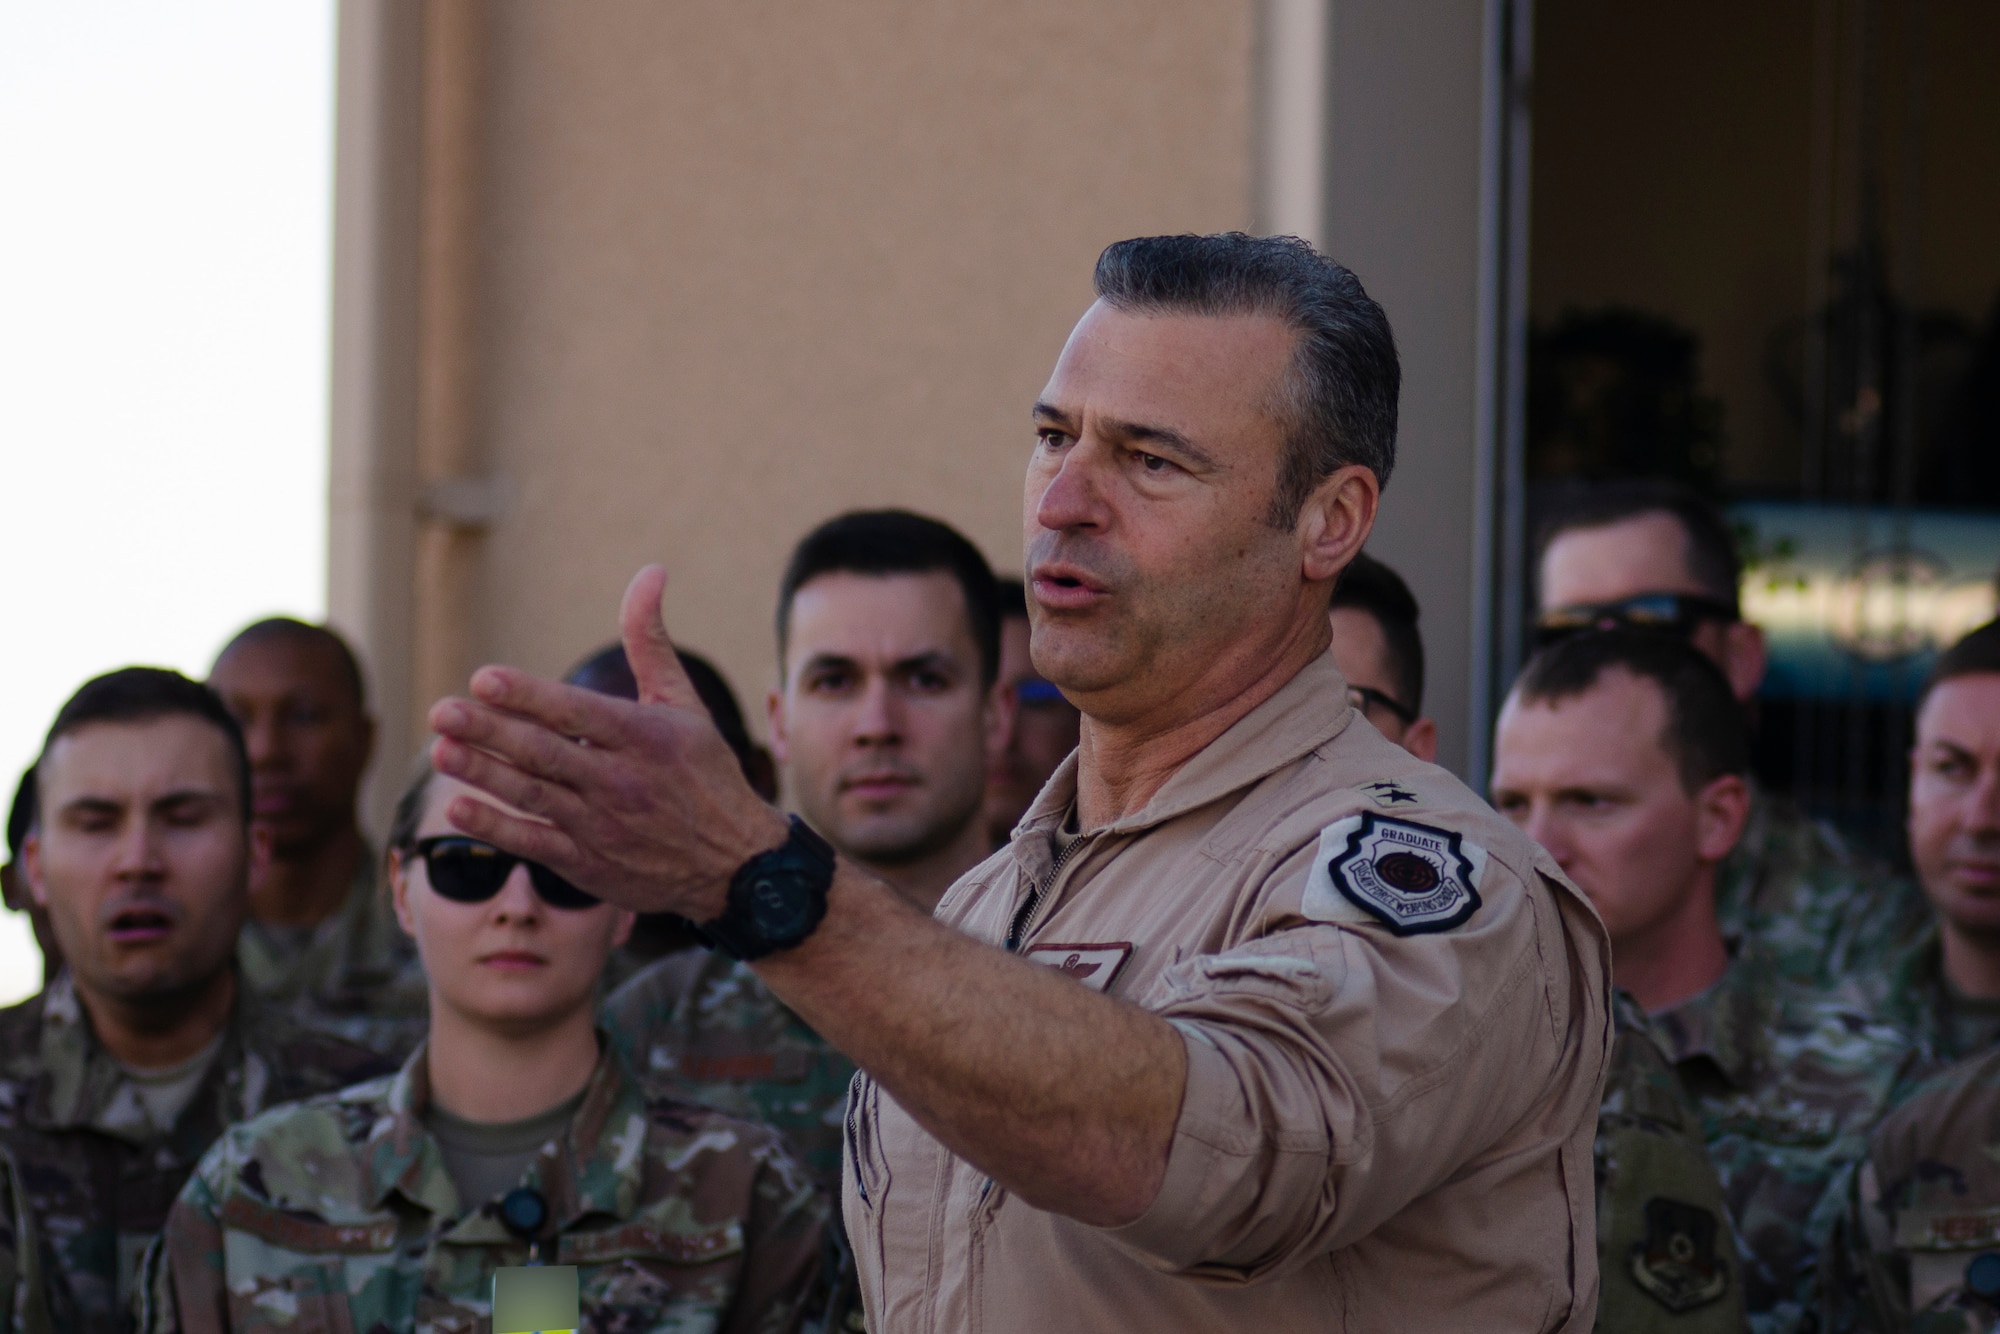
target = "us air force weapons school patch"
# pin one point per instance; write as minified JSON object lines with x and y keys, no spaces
{"x":1412,"y":878}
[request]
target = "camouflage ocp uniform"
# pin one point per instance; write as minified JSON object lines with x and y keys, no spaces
{"x":356,"y":973}
{"x":33,"y":1297}
{"x":1919,"y":1248}
{"x":712,"y":1030}
{"x":340,"y":1214}
{"x":1911,"y":991}
{"x":97,"y":1178}
{"x":1789,"y":1083}
{"x":1821,"y":912}
{"x":1666,"y":1254}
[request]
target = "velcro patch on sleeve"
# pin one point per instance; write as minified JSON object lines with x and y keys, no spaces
{"x":1096,"y":966}
{"x":1413,"y":878}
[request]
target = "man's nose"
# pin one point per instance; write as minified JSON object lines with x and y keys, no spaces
{"x":1983,"y":811}
{"x":878,"y":716}
{"x":1545,"y":829}
{"x":137,"y":852}
{"x":263,"y":740}
{"x":1072,"y":498}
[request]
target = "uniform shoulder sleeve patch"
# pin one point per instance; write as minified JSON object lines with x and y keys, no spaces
{"x":1413,"y":878}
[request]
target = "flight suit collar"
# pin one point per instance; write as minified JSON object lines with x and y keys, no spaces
{"x":595,"y":1169}
{"x":79,"y":1078}
{"x":1724,"y":1031}
{"x":1304,"y":714}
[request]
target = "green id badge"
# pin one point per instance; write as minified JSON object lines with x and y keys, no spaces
{"x":537,"y":1299}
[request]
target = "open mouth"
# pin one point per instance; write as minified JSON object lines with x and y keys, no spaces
{"x":1059,"y":587}
{"x":137,"y":925}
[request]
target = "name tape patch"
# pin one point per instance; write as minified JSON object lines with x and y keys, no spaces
{"x":1412,"y":878}
{"x":1096,"y":966}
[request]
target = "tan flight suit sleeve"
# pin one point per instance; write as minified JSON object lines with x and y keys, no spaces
{"x":1338,"y":1071}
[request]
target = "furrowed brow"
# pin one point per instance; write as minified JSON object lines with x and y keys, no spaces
{"x":1048,"y":414}
{"x":1140,"y":433}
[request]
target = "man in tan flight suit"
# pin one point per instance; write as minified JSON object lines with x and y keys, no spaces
{"x":1316,"y":1038}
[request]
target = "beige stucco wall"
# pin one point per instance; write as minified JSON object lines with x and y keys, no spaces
{"x":747,"y":265}
{"x":675,"y":282}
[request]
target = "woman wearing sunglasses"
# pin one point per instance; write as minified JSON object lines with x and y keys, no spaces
{"x":512,"y":1136}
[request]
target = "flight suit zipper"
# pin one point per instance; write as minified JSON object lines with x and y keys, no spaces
{"x":1018,"y":928}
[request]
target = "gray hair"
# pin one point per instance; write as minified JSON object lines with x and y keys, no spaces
{"x":1344,"y":378}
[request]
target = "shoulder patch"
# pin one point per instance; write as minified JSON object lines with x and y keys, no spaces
{"x":1413,"y":878}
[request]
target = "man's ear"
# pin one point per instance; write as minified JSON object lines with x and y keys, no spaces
{"x":1722,"y":808}
{"x":1003,"y":710}
{"x":1336,"y":520}
{"x":1745,"y":657}
{"x":31,"y":866}
{"x":774,"y":723}
{"x":622,"y":932}
{"x":1420,"y":738}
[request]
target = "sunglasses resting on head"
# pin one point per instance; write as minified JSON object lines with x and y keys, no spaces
{"x":465,"y":870}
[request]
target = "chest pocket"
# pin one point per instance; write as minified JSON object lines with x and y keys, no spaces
{"x":290,"y":1271}
{"x":1945,"y":1247}
{"x":728,"y":1065}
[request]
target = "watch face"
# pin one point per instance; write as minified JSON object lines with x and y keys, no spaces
{"x":781,"y":905}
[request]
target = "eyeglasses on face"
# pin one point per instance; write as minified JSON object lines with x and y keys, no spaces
{"x":1362,"y":696}
{"x":1674,"y":613}
{"x":465,"y":870}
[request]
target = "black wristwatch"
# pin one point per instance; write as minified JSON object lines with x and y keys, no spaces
{"x":776,"y":898}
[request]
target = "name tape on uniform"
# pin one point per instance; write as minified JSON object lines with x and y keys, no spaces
{"x":1093,"y":965}
{"x":1413,"y":878}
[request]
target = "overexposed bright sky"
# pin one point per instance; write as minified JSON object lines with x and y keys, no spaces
{"x":164,"y":274}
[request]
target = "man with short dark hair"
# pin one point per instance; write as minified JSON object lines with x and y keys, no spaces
{"x":320,"y":937}
{"x":1624,"y":753}
{"x":1654,"y":554}
{"x":116,"y":1078}
{"x":1945,"y":986}
{"x":1379,"y":651}
{"x":1257,"y":1017}
{"x":1045,"y":727}
{"x":885,"y":716}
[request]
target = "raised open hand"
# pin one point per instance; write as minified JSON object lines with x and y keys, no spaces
{"x":647,"y":806}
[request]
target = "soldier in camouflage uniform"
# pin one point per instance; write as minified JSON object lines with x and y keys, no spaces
{"x":1946,"y":986}
{"x":887,"y":712}
{"x":1652,"y":554}
{"x":390,"y":1205}
{"x":321,"y":939}
{"x":96,"y":1171}
{"x":1918,"y":1251}
{"x":1789,"y":1083}
{"x":120,"y":1074}
{"x":1666,"y":1255}
{"x":1623,"y":752}
{"x":341,"y":1213}
{"x":708,"y":1028}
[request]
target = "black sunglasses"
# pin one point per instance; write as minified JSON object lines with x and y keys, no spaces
{"x":465,"y":870}
{"x":1362,"y":696}
{"x":1675,"y":613}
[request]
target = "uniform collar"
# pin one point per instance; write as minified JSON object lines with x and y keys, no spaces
{"x":360,"y":921}
{"x":595,"y":1168}
{"x":1725,"y":1028}
{"x":1301,"y":716}
{"x":79,"y":1079}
